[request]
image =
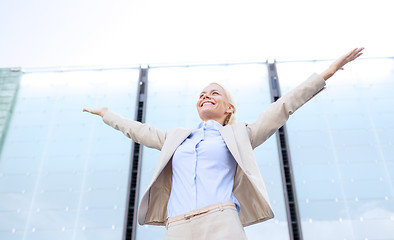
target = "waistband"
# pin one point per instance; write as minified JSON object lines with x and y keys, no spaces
{"x":200,"y":211}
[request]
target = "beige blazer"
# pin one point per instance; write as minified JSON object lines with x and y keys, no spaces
{"x":241,"y":138}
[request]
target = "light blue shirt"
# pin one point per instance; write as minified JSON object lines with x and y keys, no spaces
{"x":203,"y":171}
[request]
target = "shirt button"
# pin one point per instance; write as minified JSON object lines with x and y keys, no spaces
{"x":247,"y":172}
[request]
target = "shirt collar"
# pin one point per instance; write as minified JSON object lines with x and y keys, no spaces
{"x":210,"y":124}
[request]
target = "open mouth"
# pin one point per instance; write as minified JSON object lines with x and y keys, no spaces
{"x":207,"y":103}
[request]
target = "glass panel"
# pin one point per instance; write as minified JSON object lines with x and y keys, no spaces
{"x":64,"y":173}
{"x":9,"y":85}
{"x":172,"y":96}
{"x":342,"y":151}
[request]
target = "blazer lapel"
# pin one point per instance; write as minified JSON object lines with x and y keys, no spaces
{"x":228,"y":136}
{"x":173,"y":141}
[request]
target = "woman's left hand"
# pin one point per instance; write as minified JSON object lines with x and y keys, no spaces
{"x":342,"y":61}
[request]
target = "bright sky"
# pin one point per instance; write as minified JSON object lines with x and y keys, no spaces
{"x":54,"y":33}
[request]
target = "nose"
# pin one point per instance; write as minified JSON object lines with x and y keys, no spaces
{"x":205,"y":96}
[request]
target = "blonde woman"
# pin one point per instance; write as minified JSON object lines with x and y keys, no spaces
{"x":207,"y":184}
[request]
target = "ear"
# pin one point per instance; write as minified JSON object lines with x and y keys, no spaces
{"x":230,"y":109}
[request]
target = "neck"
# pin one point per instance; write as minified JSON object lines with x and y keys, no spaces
{"x":221,"y":121}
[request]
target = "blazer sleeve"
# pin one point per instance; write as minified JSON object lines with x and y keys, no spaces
{"x":278,"y":112}
{"x":139,"y":132}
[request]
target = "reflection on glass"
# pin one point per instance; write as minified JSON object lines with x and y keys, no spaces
{"x":64,"y":173}
{"x":342,"y":151}
{"x":172,"y":95}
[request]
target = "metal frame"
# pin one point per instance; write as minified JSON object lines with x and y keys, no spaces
{"x":293,"y":216}
{"x":135,"y":168}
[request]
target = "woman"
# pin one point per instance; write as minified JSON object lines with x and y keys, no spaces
{"x":207,"y":184}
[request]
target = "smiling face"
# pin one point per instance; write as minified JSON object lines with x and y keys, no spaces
{"x":213,"y":104}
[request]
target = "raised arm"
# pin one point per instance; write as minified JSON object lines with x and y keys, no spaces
{"x":278,"y":112}
{"x":139,"y":132}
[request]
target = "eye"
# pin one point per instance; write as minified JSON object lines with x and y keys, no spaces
{"x":202,"y":95}
{"x":215,"y":93}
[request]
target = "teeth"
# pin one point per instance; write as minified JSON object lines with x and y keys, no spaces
{"x":207,"y":103}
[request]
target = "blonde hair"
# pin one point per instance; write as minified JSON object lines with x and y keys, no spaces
{"x":230,"y":119}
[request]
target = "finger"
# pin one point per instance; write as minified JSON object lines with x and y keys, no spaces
{"x":355,"y":51}
{"x":357,"y":54}
{"x":351,"y":53}
{"x":358,"y":51}
{"x":348,"y":57}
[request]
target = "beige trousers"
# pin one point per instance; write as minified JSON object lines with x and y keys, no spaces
{"x":217,"y":224}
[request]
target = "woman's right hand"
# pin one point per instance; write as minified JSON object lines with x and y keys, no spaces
{"x":97,"y":111}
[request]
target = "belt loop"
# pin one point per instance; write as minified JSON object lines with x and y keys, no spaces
{"x":221,"y":207}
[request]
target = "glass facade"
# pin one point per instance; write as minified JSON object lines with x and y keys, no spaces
{"x":63,"y":173}
{"x":171,"y":105}
{"x":342,"y":151}
{"x":9,"y":85}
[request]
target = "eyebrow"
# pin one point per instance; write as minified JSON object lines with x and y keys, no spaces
{"x":211,"y":91}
